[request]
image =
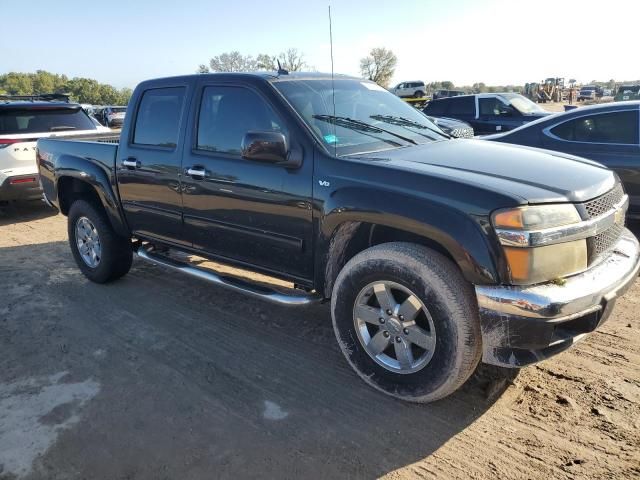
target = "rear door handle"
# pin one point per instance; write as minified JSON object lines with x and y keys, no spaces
{"x":131,"y":163}
{"x":197,"y":172}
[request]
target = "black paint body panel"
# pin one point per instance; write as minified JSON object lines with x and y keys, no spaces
{"x":284,"y":221}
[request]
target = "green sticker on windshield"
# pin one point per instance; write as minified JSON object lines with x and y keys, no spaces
{"x":331,"y":138}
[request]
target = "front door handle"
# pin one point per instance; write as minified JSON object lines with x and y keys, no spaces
{"x":196,"y":172}
{"x":131,"y":163}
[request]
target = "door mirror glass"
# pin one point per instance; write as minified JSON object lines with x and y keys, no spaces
{"x":265,"y":146}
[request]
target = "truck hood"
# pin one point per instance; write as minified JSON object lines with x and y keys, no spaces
{"x":530,"y":174}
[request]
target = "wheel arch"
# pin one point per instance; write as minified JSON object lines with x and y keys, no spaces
{"x":83,"y":179}
{"x":352,"y":236}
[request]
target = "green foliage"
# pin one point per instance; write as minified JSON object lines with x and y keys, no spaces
{"x":379,"y":66}
{"x":82,"y":90}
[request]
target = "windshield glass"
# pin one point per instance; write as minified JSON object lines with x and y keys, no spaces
{"x":367,"y":117}
{"x":118,"y":109}
{"x":31,"y":120}
{"x":523,"y":104}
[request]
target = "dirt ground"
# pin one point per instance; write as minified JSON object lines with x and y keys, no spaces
{"x":159,"y":376}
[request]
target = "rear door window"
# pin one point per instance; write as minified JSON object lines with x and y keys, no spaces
{"x":462,"y":106}
{"x":42,"y":120}
{"x":614,"y":127}
{"x":436,"y":107}
{"x":158,"y":117}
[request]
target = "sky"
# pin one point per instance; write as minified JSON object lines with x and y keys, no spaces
{"x":497,"y":42}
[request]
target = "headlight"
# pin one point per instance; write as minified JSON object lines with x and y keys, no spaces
{"x":517,"y":228}
{"x":536,"y":217}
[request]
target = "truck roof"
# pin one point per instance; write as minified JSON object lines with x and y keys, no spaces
{"x":270,"y":76}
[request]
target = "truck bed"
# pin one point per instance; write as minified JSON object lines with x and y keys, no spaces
{"x":100,"y":150}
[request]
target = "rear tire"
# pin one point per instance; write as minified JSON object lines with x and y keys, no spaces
{"x":440,"y":361}
{"x":418,"y":94}
{"x":101,"y":254}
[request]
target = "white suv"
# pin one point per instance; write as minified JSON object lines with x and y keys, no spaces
{"x":414,"y":89}
{"x":23,"y":120}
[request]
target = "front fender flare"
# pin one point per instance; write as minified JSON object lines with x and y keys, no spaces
{"x":464,"y":236}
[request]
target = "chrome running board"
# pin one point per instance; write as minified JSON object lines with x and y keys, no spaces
{"x":254,"y":289}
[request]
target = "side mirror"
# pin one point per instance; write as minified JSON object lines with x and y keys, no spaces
{"x":269,"y":147}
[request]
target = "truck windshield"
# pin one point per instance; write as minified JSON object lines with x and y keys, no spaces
{"x":367,"y":117}
{"x":523,"y":104}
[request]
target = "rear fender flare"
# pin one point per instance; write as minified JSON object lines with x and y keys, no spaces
{"x":87,"y":172}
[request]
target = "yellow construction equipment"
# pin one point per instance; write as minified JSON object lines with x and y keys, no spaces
{"x":549,"y":90}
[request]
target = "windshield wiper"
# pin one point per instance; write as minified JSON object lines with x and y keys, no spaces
{"x":359,"y":125}
{"x":61,"y":127}
{"x":405,"y":122}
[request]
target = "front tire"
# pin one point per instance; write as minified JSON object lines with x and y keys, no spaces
{"x":100,"y":253}
{"x":407,"y":321}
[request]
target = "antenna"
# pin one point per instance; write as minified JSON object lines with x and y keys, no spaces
{"x":281,"y":71}
{"x":333,"y":88}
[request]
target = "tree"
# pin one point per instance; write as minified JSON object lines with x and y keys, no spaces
{"x":232,"y":62}
{"x":266,"y":62}
{"x":17,"y":83}
{"x":202,"y":68}
{"x":292,"y":60}
{"x":379,"y":66}
{"x":611,"y":84}
{"x":478,"y":88}
{"x":83,"y":90}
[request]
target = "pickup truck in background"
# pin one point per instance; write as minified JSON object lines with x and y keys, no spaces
{"x":487,"y":112}
{"x":587,"y":92}
{"x":435,"y":253}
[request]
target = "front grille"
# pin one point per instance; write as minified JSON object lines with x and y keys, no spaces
{"x":604,"y":203}
{"x":602,"y":243}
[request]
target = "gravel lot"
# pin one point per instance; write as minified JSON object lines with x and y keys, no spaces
{"x":160,"y":376}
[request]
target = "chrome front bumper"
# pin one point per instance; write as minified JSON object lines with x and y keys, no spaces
{"x":526,"y":324}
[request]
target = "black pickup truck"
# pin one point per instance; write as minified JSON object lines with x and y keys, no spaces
{"x":435,"y":253}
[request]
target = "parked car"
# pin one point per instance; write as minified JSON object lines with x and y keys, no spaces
{"x":447,"y":93}
{"x":435,"y":253}
{"x":453,"y":127}
{"x":113,"y":116}
{"x":487,"y":112}
{"x":414,"y":89}
{"x":587,"y":92}
{"x":607,"y":133}
{"x":627,"y":92}
{"x":24,"y":119}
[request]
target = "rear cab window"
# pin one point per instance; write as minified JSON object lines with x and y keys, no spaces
{"x":158,"y":117}
{"x":16,"y":120}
